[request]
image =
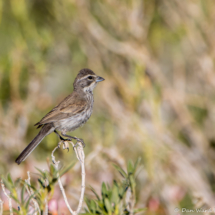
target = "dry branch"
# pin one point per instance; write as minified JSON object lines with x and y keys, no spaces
{"x":1,"y":207}
{"x":78,"y":148}
{"x":46,"y":207}
{"x":8,"y":197}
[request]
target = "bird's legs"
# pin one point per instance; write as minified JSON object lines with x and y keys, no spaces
{"x":77,"y":139}
{"x":65,"y":144}
{"x":61,"y":138}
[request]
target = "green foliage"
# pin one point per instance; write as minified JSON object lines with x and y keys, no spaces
{"x":114,"y":198}
{"x":43,"y":190}
{"x":13,"y":186}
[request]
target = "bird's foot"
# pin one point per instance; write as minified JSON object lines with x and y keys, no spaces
{"x":79,"y":140}
{"x":82,"y":142}
{"x":66,"y":145}
{"x":61,"y":138}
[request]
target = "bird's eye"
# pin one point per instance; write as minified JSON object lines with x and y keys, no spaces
{"x":90,"y":77}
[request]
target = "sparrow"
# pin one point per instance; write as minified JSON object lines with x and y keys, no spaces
{"x":70,"y":114}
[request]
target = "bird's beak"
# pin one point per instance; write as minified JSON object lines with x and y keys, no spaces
{"x":98,"y":79}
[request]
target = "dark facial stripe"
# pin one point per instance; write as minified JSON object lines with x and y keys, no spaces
{"x":86,"y":76}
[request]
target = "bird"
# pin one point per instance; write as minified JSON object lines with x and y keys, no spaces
{"x":69,"y":114}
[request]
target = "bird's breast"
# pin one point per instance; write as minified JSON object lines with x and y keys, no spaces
{"x":75,"y":121}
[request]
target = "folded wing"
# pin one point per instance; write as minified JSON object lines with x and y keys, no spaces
{"x":69,"y":107}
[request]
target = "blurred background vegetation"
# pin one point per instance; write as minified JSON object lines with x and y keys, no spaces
{"x":157,"y":101}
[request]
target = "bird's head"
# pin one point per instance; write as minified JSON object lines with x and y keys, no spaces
{"x":86,"y":80}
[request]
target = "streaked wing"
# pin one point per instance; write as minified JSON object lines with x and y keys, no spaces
{"x":69,"y":107}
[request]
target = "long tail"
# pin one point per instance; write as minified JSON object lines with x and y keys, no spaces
{"x":45,"y":130}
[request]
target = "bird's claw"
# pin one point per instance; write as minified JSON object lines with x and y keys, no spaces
{"x":75,"y":146}
{"x":66,"y":145}
{"x":81,"y":141}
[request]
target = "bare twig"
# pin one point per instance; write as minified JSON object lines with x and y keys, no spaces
{"x":8,"y":197}
{"x":130,"y":201}
{"x":30,"y":193}
{"x":1,"y":207}
{"x":46,"y":207}
{"x":80,"y":156}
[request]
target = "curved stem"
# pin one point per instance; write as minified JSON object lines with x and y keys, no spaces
{"x":80,"y":156}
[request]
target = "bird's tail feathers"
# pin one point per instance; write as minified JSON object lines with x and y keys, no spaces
{"x":45,"y":130}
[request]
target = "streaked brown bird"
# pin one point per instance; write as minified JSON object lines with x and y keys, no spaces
{"x":70,"y":114}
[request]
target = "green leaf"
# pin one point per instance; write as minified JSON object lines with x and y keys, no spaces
{"x":67,"y":168}
{"x":22,"y":195}
{"x":102,"y":212}
{"x":15,"y":210}
{"x":14,"y":198}
{"x":10,"y":179}
{"x":88,"y":213}
{"x":101,"y":205}
{"x":132,"y":182}
{"x":41,"y":183}
{"x":41,"y":172}
{"x":29,"y":199}
{"x":121,"y":192}
{"x":93,"y":206}
{"x":137,"y":163}
{"x":108,"y":186}
{"x":130,"y":167}
{"x":17,"y":182}
{"x":108,"y":206}
{"x":121,"y":171}
{"x":97,"y":196}
{"x":139,"y":210}
{"x":115,"y":195}
{"x":115,"y":183}
{"x":104,"y":190}
{"x":87,"y":201}
{"x":28,"y":202}
{"x":53,"y":171}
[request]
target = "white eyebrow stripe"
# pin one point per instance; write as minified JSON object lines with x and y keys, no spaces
{"x":87,"y":76}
